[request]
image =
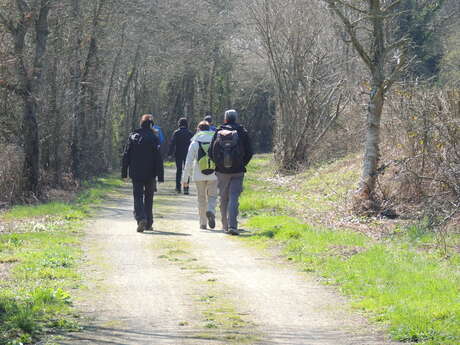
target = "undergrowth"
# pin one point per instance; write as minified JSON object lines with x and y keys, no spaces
{"x":414,"y":292}
{"x":42,"y":263}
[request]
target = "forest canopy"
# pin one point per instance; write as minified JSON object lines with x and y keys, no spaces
{"x":306,"y":76}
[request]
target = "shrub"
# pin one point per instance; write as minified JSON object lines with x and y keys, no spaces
{"x":420,"y":153}
{"x":11,"y":158}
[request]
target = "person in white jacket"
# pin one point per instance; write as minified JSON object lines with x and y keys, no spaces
{"x":203,"y":175}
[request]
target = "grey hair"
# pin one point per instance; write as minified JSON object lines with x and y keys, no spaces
{"x":231,"y":115}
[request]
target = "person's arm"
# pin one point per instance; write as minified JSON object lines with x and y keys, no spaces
{"x":190,"y":160}
{"x":172,"y":145}
{"x":211,"y":147}
{"x":159,"y":167}
{"x":162,"y":136}
{"x":248,"y":153}
{"x":126,"y":159}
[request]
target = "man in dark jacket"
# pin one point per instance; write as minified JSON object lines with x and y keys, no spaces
{"x":142,"y":157}
{"x":180,"y":143}
{"x":231,"y":150}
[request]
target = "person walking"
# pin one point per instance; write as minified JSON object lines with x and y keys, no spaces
{"x":231,"y":151}
{"x":159,"y":133}
{"x":202,"y":169}
{"x":142,"y":157}
{"x":180,"y":143}
{"x":208,"y":119}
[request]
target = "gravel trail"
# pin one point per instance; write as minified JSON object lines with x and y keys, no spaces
{"x":182,"y":285}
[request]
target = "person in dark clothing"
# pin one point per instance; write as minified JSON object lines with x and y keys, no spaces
{"x":142,"y":157}
{"x":231,"y":151}
{"x":208,"y":119}
{"x":180,"y":143}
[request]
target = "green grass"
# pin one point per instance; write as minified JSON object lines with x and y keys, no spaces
{"x":414,"y":293}
{"x":93,"y":192}
{"x":36,"y":297}
{"x":169,"y":164}
{"x":252,"y":202}
{"x":68,"y":211}
{"x":260,"y":196}
{"x":317,"y":191}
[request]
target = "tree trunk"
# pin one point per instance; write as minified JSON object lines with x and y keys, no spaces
{"x":377,"y":98}
{"x":30,"y":83}
{"x":31,"y":169}
{"x":371,"y":156}
{"x":76,"y":89}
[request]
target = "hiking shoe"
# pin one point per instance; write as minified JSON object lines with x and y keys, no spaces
{"x":141,"y":226}
{"x":203,"y":227}
{"x":211,"y":219}
{"x":149,"y":228}
{"x":186,"y":192}
{"x":233,"y":231}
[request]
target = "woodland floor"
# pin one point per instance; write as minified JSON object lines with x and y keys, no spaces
{"x":182,"y":285}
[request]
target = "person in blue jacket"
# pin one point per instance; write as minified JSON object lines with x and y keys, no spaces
{"x":161,"y":137}
{"x":208,"y":119}
{"x":160,"y":134}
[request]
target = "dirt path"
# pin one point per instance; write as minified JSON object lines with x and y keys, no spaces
{"x":182,"y":285}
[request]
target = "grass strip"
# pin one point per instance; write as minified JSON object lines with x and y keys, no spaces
{"x":41,"y":264}
{"x":416,"y":294}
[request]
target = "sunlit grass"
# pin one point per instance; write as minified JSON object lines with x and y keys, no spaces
{"x":50,"y":209}
{"x":318,"y":189}
{"x":414,"y":293}
{"x":91,"y":193}
{"x":43,"y":265}
{"x":35,"y":296}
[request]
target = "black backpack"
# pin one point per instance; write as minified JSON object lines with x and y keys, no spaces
{"x":228,"y":150}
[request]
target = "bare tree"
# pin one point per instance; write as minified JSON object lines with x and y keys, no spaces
{"x":29,"y":15}
{"x":367,"y":24}
{"x":308,"y":87}
{"x":107,"y":62}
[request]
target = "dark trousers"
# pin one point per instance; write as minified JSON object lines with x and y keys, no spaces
{"x":143,"y":201}
{"x":180,"y":162}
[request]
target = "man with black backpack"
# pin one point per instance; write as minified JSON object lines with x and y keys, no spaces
{"x":231,"y":151}
{"x":142,"y":157}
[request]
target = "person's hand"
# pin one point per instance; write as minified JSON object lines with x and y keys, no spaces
{"x":185,"y":184}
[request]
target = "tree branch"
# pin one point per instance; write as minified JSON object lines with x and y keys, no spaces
{"x":7,"y":23}
{"x":354,"y":8}
{"x":351,"y":31}
{"x":395,"y":45}
{"x":391,"y":7}
{"x":395,"y":74}
{"x":11,"y":87}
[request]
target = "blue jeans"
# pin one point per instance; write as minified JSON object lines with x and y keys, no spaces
{"x":230,"y":189}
